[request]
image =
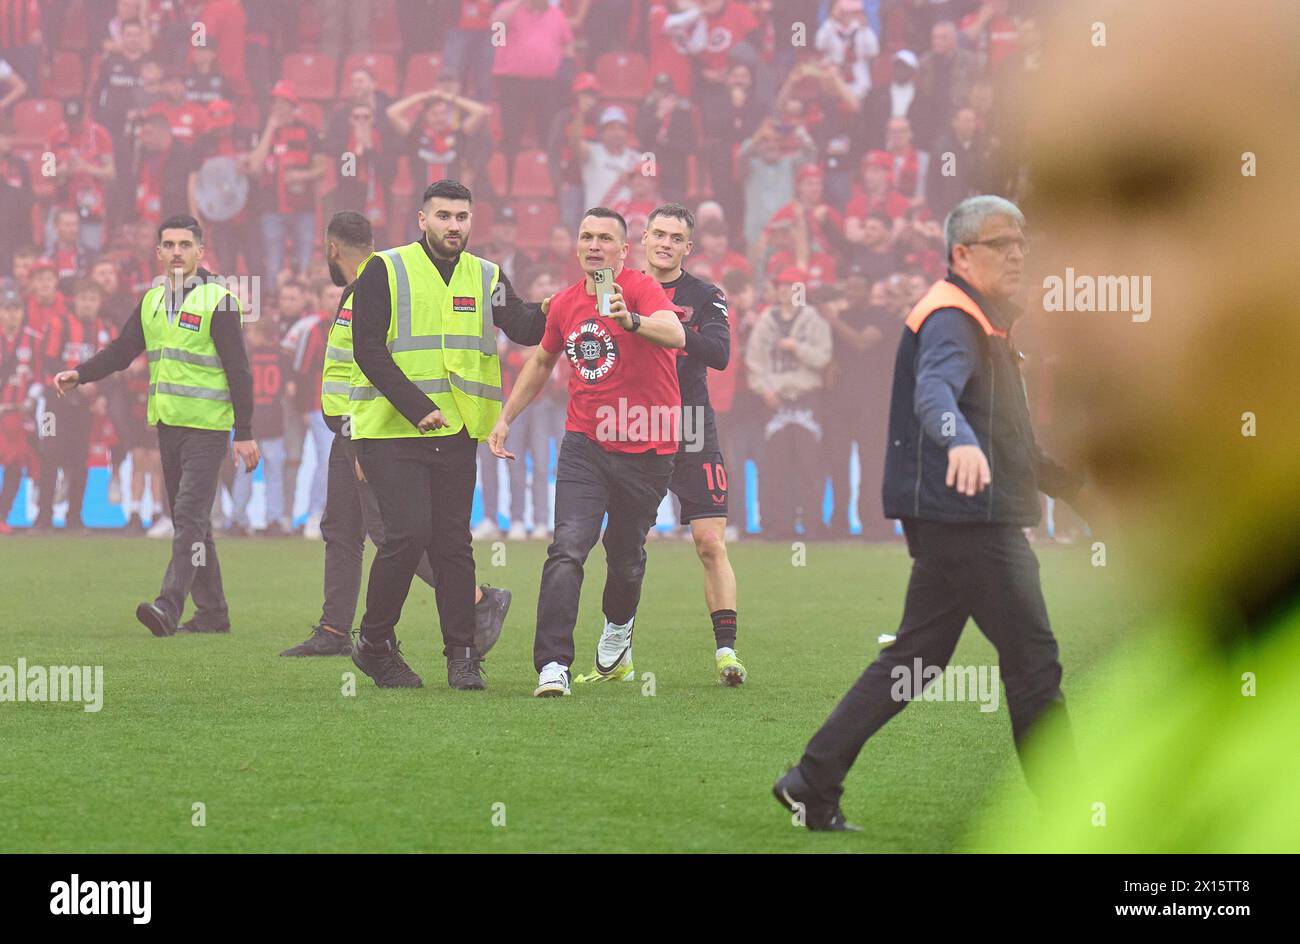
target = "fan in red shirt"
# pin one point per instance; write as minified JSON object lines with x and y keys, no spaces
{"x":622,"y":431}
{"x":876,"y":193}
{"x":20,"y":373}
{"x":45,"y":303}
{"x":70,"y":340}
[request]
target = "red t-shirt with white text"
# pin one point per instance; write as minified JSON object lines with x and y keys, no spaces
{"x":623,"y":391}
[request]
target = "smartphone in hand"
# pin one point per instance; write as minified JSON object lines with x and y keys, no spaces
{"x":605,"y":289}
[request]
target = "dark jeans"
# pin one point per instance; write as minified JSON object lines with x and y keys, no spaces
{"x":866,"y":427}
{"x":67,"y":449}
{"x":985,"y":571}
{"x":791,"y":481}
{"x":425,"y":488}
{"x":191,"y":464}
{"x":351,"y":513}
{"x":590,"y":483}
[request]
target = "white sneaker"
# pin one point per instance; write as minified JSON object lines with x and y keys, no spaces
{"x":613,"y":655}
{"x":311,"y":530}
{"x":518,"y":532}
{"x":541,"y":534}
{"x":552,"y":681}
{"x":486,"y":529}
{"x":162,"y":528}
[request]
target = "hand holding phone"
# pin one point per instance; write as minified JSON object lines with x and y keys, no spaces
{"x":605,"y":289}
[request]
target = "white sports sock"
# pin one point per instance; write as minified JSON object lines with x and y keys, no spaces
{"x":724,"y":651}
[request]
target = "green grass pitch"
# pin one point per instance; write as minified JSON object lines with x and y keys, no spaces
{"x":283,"y":761}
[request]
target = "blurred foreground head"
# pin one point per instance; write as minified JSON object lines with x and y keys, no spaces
{"x":1141,"y":153}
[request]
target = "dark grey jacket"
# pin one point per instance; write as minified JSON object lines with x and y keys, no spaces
{"x":954,"y":384}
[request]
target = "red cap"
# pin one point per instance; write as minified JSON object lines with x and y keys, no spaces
{"x":44,"y":262}
{"x":221,"y":114}
{"x":584,"y":82}
{"x":879,"y":159}
{"x":284,"y":89}
{"x":791,"y":274}
{"x":809,"y":170}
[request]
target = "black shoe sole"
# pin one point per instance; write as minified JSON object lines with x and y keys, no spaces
{"x":293,"y":654}
{"x":780,"y":793}
{"x":149,"y":617}
{"x":203,"y":632}
{"x":418,"y":683}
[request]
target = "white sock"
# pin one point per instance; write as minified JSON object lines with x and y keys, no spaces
{"x":724,"y":651}
{"x":619,"y":627}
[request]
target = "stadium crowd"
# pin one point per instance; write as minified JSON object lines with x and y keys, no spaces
{"x":819,"y":142}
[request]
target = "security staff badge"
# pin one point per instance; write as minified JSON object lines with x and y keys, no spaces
{"x":189,"y":320}
{"x":592,"y":351}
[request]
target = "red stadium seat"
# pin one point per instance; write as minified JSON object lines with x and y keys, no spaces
{"x":536,"y":219}
{"x":312,"y":75}
{"x":380,"y":65}
{"x":421,"y":72}
{"x":532,"y":175}
{"x":496,"y":171}
{"x":67,"y":78}
{"x":309,"y":26}
{"x":402,"y":184}
{"x":623,"y":75}
{"x":74,"y":27}
{"x":385,"y":30}
{"x":35,"y":120}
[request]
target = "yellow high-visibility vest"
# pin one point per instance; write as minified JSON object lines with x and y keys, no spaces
{"x":187,"y":383}
{"x":443,"y":338}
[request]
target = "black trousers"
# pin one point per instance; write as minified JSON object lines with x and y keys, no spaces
{"x":351,"y":513}
{"x":68,"y":448}
{"x":791,"y":482}
{"x":425,"y":488}
{"x":985,"y":571}
{"x":591,"y":483}
{"x":191,"y":465}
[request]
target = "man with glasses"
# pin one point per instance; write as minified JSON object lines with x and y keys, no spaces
{"x":958,"y":402}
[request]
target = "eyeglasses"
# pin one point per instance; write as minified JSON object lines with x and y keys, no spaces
{"x":1003,"y":244}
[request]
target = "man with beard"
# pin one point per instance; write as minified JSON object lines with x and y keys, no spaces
{"x":425,"y":388}
{"x":351,"y":509}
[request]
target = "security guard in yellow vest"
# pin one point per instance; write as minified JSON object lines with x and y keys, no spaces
{"x":189,"y":327}
{"x":351,"y":511}
{"x":426,"y":387}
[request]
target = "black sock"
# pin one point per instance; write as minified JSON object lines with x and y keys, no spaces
{"x":724,"y":628}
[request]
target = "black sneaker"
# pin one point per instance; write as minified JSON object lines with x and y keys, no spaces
{"x":194,"y":626}
{"x":156,"y":619}
{"x":384,"y":664}
{"x":489,"y":617}
{"x":322,"y":642}
{"x":465,"y":670}
{"x":793,"y":792}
